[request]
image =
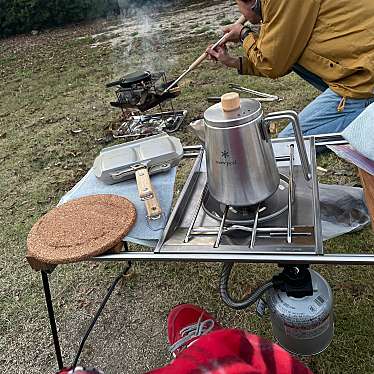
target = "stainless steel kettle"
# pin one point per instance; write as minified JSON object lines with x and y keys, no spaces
{"x":241,"y":166}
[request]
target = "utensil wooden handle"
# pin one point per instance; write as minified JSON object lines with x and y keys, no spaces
{"x":153,"y":207}
{"x":147,"y":194}
{"x":144,"y":183}
{"x":198,"y":61}
{"x":241,"y":20}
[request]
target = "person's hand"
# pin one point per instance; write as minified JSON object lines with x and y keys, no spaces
{"x":221,"y":54}
{"x":232,"y":33}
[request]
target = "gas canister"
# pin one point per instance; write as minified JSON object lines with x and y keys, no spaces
{"x":304,"y":325}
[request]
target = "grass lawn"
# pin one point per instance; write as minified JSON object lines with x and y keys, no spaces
{"x":53,"y":84}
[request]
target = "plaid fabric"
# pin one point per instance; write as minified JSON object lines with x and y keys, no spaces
{"x":230,"y":351}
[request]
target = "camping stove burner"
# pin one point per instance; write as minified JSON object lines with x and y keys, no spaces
{"x":247,"y":220}
{"x":289,"y":224}
{"x":269,"y":209}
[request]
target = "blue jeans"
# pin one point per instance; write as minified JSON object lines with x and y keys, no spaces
{"x":321,"y":116}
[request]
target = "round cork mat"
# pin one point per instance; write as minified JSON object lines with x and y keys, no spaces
{"x":80,"y":229}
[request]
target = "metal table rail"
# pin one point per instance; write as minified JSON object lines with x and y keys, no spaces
{"x":219,"y":255}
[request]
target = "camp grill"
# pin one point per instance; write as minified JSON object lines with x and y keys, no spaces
{"x":140,"y":92}
{"x":285,"y":230}
{"x":143,"y":125}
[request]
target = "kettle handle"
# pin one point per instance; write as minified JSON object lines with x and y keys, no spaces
{"x":294,"y":119}
{"x":264,"y":130}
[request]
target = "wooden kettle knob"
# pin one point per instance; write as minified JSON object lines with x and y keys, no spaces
{"x":230,"y":101}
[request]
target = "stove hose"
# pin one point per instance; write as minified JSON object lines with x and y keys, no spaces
{"x":248,"y":300}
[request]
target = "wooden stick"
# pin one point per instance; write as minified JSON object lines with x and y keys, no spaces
{"x":199,"y":60}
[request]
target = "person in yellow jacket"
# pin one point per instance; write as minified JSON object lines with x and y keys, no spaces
{"x":329,"y":43}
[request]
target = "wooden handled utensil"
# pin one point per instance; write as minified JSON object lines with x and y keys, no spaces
{"x":147,"y":194}
{"x":140,"y":159}
{"x":199,"y":60}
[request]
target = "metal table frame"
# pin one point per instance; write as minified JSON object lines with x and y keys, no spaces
{"x":250,"y":257}
{"x":52,"y":319}
{"x":290,"y":258}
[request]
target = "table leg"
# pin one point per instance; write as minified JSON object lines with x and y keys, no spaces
{"x":368,"y":184}
{"x":52,"y":320}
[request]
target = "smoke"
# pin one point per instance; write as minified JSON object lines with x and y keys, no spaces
{"x":142,"y":38}
{"x":149,"y":34}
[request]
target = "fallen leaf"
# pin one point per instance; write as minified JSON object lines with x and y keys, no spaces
{"x":321,"y":169}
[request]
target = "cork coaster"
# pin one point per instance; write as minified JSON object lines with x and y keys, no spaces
{"x":79,"y":230}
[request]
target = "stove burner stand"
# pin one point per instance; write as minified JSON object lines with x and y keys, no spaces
{"x":232,"y":220}
{"x":269,"y":209}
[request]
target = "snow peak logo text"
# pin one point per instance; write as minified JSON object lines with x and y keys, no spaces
{"x":225,"y":159}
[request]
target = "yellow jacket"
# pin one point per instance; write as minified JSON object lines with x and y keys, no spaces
{"x":333,"y":39}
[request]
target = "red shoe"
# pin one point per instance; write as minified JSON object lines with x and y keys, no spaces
{"x":186,"y":322}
